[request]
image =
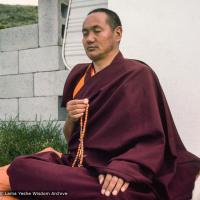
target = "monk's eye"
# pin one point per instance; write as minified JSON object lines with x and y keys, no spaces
{"x":85,"y":33}
{"x":97,"y":31}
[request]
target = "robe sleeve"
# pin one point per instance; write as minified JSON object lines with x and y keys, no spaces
{"x":70,"y":84}
{"x":145,"y":148}
{"x":67,"y":92}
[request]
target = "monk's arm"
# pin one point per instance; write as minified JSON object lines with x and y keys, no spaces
{"x":68,"y":128}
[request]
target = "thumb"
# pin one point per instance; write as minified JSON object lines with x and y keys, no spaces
{"x":101,"y":178}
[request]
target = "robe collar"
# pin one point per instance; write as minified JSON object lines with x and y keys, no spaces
{"x":117,"y":59}
{"x":93,"y":83}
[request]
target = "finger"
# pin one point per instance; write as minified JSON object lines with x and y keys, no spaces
{"x":111,"y":185}
{"x":75,"y":106}
{"x":118,"y":186}
{"x":79,"y":101}
{"x":74,"y":118}
{"x":77,"y":116}
{"x":77,"y":111}
{"x":106,"y":183}
{"x":53,"y":150}
{"x":124,"y":187}
{"x":58,"y":153}
{"x":101,"y":178}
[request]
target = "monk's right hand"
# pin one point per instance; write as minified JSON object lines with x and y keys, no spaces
{"x":76,"y":108}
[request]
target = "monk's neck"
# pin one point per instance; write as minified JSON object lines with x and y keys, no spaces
{"x":101,"y":64}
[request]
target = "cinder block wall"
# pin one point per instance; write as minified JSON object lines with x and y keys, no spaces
{"x":32,"y":73}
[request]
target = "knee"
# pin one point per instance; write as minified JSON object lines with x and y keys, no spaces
{"x":16,"y":164}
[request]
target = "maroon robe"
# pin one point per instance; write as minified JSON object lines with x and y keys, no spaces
{"x":130,"y":134}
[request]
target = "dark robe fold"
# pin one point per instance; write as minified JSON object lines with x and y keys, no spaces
{"x":130,"y":134}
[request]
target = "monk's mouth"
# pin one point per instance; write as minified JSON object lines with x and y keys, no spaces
{"x":91,"y":48}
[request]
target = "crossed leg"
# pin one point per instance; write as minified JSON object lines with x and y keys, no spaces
{"x":46,"y":172}
{"x":4,"y":178}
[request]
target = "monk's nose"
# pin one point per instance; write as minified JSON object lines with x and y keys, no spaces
{"x":90,"y":38}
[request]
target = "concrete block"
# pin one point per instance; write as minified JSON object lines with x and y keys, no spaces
{"x":50,"y":23}
{"x":8,"y":63}
{"x":62,"y":113}
{"x":41,"y":59}
{"x":16,"y":38}
{"x":49,"y":83}
{"x":8,"y":108}
{"x":38,"y":108}
{"x":16,"y":86}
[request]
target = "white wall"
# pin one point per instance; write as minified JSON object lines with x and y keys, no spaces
{"x":73,"y":51}
{"x":166,"y":35}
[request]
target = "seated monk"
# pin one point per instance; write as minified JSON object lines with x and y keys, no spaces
{"x":122,"y":141}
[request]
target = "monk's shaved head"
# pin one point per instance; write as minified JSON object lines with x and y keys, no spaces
{"x":113,"y":19}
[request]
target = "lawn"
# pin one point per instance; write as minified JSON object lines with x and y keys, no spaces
{"x":16,"y":15}
{"x":22,"y":138}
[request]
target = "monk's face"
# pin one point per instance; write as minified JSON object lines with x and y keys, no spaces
{"x":99,"y":39}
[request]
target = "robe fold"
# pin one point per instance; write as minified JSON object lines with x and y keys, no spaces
{"x":130,"y":133}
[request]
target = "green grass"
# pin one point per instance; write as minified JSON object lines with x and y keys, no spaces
{"x":22,"y":138}
{"x":16,"y":15}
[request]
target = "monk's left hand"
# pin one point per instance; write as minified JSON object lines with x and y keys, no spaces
{"x":112,"y":184}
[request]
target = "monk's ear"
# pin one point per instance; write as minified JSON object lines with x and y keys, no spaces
{"x":118,"y":33}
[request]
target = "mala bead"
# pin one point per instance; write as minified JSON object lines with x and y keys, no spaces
{"x":80,"y":152}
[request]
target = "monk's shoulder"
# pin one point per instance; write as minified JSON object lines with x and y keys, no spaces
{"x":136,"y":66}
{"x":76,"y":72}
{"x":144,"y":73}
{"x":78,"y":69}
